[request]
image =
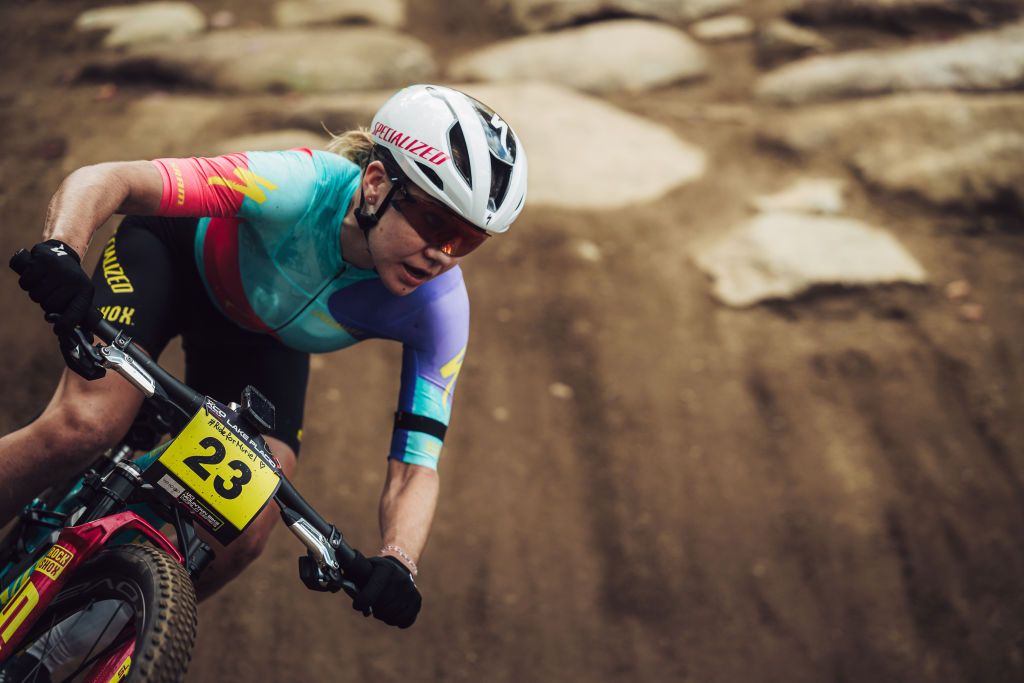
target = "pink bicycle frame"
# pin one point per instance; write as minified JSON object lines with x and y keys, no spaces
{"x":41,"y":583}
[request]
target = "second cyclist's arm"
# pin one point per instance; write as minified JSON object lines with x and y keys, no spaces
{"x":92,"y":194}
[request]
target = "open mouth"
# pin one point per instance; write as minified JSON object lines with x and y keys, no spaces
{"x":417,"y":273}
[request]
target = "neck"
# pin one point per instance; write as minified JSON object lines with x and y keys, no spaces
{"x":353,"y":241}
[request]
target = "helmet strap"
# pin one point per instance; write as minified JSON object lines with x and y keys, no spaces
{"x":368,"y":221}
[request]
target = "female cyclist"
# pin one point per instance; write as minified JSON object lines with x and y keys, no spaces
{"x":259,"y":259}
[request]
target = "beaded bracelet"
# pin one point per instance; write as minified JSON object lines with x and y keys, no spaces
{"x":402,"y":554}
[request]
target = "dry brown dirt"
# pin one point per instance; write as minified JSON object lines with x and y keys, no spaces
{"x":830,"y":489}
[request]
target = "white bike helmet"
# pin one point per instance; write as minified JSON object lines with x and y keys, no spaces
{"x":457,"y":150}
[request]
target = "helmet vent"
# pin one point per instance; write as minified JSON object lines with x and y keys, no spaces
{"x":501,"y":173}
{"x":431,"y":175}
{"x":460,"y":152}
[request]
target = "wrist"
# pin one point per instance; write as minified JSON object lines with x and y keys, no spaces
{"x":397,"y":552}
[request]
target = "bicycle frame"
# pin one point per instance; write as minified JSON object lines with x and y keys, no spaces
{"x":35,"y":588}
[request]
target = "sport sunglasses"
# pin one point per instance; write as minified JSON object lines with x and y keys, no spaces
{"x":437,"y":224}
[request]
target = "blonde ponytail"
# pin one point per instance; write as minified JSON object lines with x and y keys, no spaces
{"x":354,"y":145}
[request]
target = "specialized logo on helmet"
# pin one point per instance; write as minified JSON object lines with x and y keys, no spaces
{"x":409,"y":144}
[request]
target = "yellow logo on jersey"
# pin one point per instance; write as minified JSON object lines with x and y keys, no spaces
{"x":451,"y":369}
{"x":250,"y":185}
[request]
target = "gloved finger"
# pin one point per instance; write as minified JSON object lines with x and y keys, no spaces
{"x":30,"y":278}
{"x":74,"y":314}
{"x":372,"y":590}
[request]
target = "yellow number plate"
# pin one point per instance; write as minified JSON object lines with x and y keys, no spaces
{"x":210,"y":460}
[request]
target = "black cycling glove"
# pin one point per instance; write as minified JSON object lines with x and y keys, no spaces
{"x":54,"y":279}
{"x":390,"y":594}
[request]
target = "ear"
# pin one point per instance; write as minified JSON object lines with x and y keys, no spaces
{"x":375,"y":179}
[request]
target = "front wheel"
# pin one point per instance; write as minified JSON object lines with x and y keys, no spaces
{"x":129,"y":592}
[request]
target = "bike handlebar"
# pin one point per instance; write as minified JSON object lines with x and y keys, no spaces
{"x":190,"y":401}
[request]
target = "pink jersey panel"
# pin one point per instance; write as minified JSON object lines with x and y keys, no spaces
{"x":203,"y":186}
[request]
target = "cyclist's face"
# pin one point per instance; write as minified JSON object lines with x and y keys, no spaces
{"x":403,"y":259}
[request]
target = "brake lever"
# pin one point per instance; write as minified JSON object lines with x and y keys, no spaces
{"x":79,"y":353}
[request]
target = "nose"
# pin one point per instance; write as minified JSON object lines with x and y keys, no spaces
{"x":437,"y":255}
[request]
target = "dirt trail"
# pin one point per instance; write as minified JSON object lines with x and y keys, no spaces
{"x":823,"y":490}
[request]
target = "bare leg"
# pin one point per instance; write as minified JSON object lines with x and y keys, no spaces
{"x":233,"y":559}
{"x":82,"y":419}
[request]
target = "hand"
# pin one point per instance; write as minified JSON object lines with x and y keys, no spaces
{"x":54,"y":279}
{"x":390,"y":594}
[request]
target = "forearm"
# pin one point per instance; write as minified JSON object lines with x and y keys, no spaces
{"x":91,"y":195}
{"x":407,"y":508}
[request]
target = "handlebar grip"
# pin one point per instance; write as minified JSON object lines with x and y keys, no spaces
{"x":19,"y":262}
{"x":355,"y":565}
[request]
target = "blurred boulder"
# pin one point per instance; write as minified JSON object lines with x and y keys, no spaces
{"x":991,"y":60}
{"x":720,"y":29}
{"x":806,"y":195}
{"x":783,"y":255}
{"x":269,"y":141}
{"x":291,"y":13}
{"x":145,"y":23}
{"x":620,"y":159}
{"x":889,"y":11}
{"x":539,"y":15}
{"x":646,"y":55}
{"x":984,"y":171}
{"x":947,"y":149}
{"x":255,"y":60}
{"x":781,"y":41}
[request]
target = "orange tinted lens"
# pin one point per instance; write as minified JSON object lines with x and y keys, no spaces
{"x":440,"y":227}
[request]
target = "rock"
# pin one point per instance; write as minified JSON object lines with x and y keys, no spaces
{"x":780,"y":255}
{"x":985,"y":61}
{"x":807,"y":195}
{"x":561,"y":390}
{"x":273,"y":140}
{"x":957,"y":290}
{"x":540,"y":15}
{"x":622,"y":159}
{"x":646,"y":55}
{"x":984,"y":171}
{"x":257,"y":60}
{"x":889,"y":11}
{"x":951,"y":150}
{"x":719,"y":29}
{"x":146,"y":23}
{"x":586,"y":250}
{"x":292,"y":13}
{"x":780,"y":41}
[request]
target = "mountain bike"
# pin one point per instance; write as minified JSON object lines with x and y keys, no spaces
{"x":97,"y":574}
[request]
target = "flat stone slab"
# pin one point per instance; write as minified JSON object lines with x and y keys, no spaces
{"x":587,"y":154}
{"x":985,"y":61}
{"x":144,"y":23}
{"x":783,"y":255}
{"x":721,"y":29}
{"x":293,"y":13}
{"x":806,"y":195}
{"x":540,"y":15}
{"x":780,"y":41}
{"x":257,"y":60}
{"x":946,"y":149}
{"x":646,"y":55}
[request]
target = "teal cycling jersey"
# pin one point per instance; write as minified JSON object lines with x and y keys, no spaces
{"x":269,"y":251}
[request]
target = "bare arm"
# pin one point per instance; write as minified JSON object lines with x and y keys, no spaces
{"x":407,"y":508}
{"x":92,"y":194}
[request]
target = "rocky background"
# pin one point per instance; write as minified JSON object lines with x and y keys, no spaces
{"x":743,"y":397}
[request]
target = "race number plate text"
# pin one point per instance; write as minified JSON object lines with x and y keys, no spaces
{"x":217,"y":471}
